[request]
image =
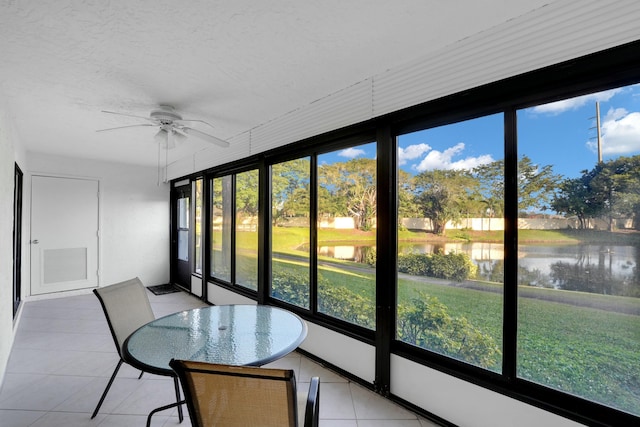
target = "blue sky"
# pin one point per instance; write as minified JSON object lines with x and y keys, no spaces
{"x":561,"y":134}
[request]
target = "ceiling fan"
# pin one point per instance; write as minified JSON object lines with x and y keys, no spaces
{"x":172,"y":127}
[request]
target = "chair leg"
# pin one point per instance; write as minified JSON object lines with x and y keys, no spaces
{"x":178,"y":403}
{"x":177,"y":386}
{"x":106,"y":390}
{"x":162,"y":408}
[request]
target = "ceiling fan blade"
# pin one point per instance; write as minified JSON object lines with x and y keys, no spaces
{"x":199,"y":121}
{"x":122,"y":127}
{"x":126,"y":114}
{"x":179,"y":131}
{"x":205,"y":136}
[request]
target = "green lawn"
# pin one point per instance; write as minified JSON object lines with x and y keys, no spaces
{"x":584,"y":351}
{"x":563,"y":341}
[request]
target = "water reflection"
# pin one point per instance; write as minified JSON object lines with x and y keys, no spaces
{"x":602,"y":269}
{"x":354,"y":253}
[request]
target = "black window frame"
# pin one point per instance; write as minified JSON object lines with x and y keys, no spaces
{"x":605,"y":70}
{"x":611,"y":68}
{"x":194,"y":197}
{"x":208,"y":177}
{"x":17,"y":238}
{"x":312,"y":148}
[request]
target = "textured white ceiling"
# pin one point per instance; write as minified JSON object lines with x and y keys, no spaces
{"x":236,"y":64}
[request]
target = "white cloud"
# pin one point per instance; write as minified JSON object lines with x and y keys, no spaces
{"x":445,"y":159}
{"x":575,"y":103}
{"x":351,"y":153}
{"x":615,"y":114}
{"x":412,"y":152}
{"x":620,"y":131}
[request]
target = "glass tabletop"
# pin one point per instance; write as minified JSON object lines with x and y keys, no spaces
{"x":228,"y":334}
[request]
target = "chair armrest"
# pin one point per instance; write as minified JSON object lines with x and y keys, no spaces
{"x":312,"y":408}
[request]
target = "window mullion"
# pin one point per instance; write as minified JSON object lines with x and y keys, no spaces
{"x":510,"y":295}
{"x":234,"y":214}
{"x":313,"y":237}
{"x":386,"y":237}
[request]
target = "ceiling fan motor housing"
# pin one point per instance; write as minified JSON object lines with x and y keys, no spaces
{"x":165,"y":115}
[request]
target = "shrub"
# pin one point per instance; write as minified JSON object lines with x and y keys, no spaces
{"x":451,"y":266}
{"x":426,"y":323}
{"x":371,"y":257}
{"x":291,"y":287}
{"x":342,"y":303}
{"x":335,"y":301}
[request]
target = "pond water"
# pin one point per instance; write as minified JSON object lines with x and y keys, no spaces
{"x":603,"y":269}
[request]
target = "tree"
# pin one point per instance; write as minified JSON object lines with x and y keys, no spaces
{"x":290,"y":188}
{"x":406,"y":204}
{"x":619,"y":182}
{"x":490,"y":178}
{"x":536,"y":185}
{"x":444,"y":195}
{"x":577,"y":197}
{"x":247,"y":193}
{"x":298,"y":203}
{"x":353,"y":185}
{"x":610,"y":189}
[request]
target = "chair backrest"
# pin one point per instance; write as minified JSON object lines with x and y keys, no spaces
{"x":312,"y":407}
{"x":126,"y":307}
{"x":231,"y":396}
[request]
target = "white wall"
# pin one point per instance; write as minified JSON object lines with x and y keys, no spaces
{"x":347,"y":353}
{"x":463,"y":403}
{"x":218,"y":295}
{"x":10,"y":153}
{"x":134,"y":216}
{"x":134,"y":219}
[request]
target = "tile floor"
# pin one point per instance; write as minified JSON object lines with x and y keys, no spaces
{"x":63,"y":355}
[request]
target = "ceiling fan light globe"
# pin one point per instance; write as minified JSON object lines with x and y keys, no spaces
{"x":161,"y":138}
{"x":179,"y":138}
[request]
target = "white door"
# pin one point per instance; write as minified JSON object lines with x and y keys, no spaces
{"x":64,"y":234}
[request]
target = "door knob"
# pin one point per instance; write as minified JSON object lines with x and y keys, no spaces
{"x":35,"y":242}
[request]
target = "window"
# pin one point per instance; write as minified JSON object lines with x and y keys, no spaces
{"x":234,"y":237}
{"x":221,"y":223}
{"x":17,"y":239}
{"x":517,"y":246}
{"x":183,"y":228}
{"x":450,"y":239}
{"x":346,"y":248}
{"x":290,"y":231}
{"x":197,"y":188}
{"x":246,"y":237}
{"x":578,"y":251}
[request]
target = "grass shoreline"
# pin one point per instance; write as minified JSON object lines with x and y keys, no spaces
{"x":568,"y":236}
{"x":525,"y":236}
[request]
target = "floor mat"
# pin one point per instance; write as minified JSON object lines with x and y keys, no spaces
{"x":163,"y":289}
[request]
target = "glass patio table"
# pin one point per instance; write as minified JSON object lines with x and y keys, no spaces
{"x":251,"y":335}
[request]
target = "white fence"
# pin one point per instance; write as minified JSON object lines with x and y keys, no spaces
{"x":476,"y":224}
{"x":497,"y":224}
